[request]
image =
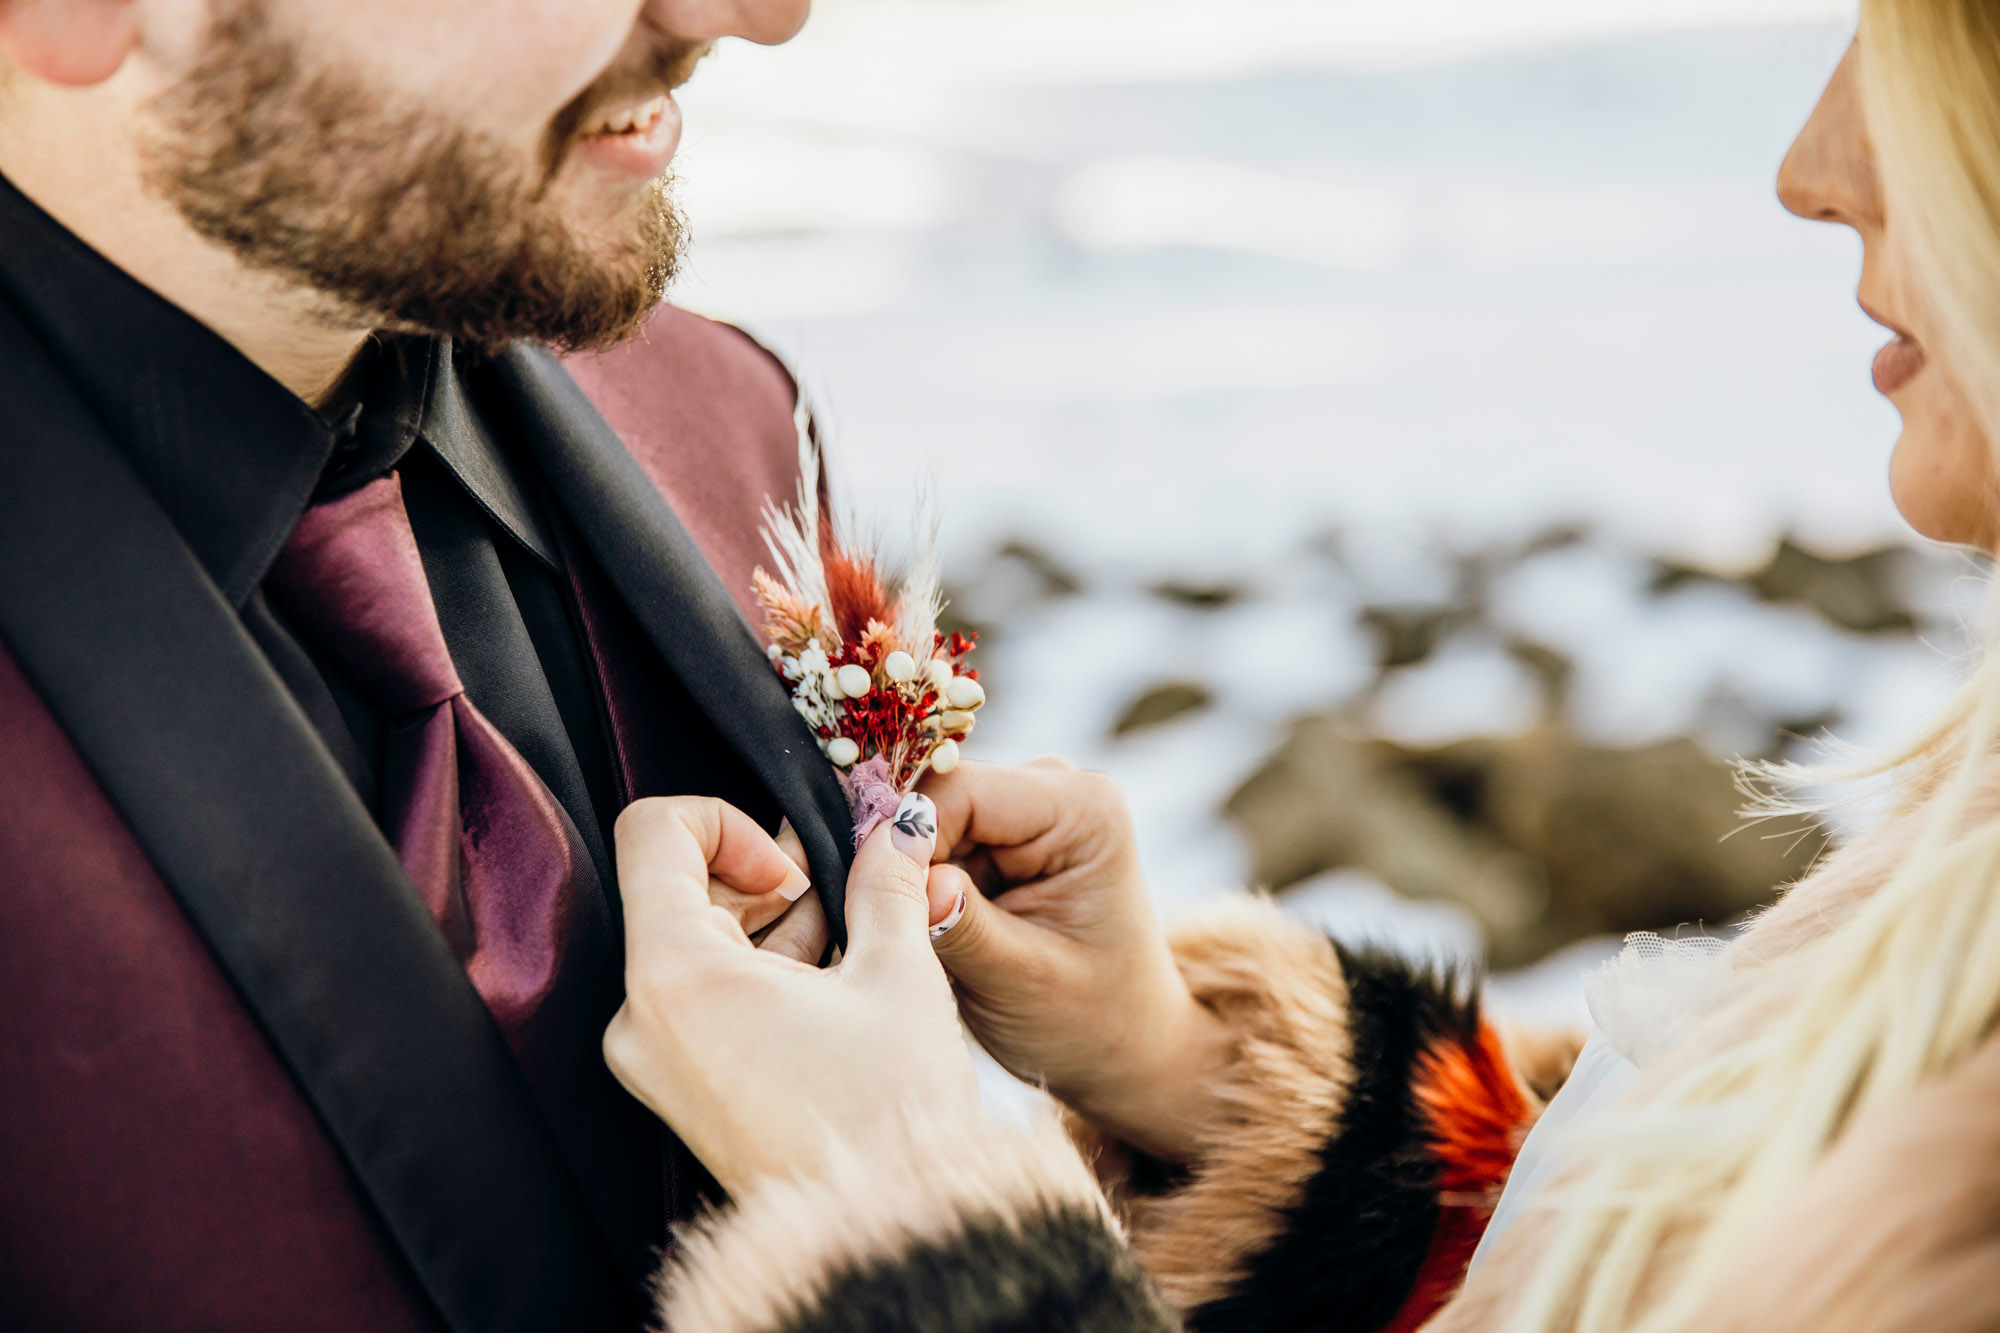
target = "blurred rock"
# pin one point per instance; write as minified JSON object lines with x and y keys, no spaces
{"x":1016,"y":577}
{"x":1198,"y":596}
{"x":1053,"y":578}
{"x":1162,"y":704}
{"x":986,"y":598}
{"x":1543,"y":838}
{"x":1866,"y":593}
{"x":1407,"y":635}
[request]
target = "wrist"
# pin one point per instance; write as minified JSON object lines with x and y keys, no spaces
{"x":1168,"y":1102}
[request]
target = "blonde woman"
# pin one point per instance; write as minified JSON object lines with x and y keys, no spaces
{"x":1287,"y":1135}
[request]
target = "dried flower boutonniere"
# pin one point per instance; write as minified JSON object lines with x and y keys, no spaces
{"x":884,"y":689}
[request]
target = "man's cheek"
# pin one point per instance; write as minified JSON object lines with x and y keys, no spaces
{"x":501,"y":68}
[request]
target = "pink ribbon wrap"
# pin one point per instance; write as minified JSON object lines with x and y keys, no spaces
{"x":871,"y":798}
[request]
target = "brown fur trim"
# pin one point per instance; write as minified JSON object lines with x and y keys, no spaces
{"x":1542,"y":1056}
{"x":769,"y":1261}
{"x":1280,"y":987}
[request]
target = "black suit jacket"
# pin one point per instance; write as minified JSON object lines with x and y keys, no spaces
{"x":134,"y":710}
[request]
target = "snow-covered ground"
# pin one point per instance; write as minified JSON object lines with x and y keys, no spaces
{"x":1203,"y":290}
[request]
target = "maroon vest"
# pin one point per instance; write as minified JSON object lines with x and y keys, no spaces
{"x":174,"y":1154}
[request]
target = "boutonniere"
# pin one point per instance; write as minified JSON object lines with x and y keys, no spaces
{"x":887,"y":692}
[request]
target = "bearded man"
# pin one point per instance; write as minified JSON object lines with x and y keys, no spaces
{"x":339,"y":617}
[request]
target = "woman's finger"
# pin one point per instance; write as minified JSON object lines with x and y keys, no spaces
{"x":997,"y":805}
{"x":669,"y":848}
{"x":801,"y":933}
{"x":753,"y":911}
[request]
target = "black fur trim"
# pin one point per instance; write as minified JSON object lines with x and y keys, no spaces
{"x":1351,"y":1248}
{"x":1062,"y":1271}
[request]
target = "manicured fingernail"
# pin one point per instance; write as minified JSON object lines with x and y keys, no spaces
{"x":795,"y":886}
{"x":914,"y":832}
{"x":951,"y":918}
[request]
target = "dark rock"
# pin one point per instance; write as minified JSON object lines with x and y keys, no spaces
{"x":1863,"y":593}
{"x":1198,"y":596}
{"x":1056,"y":579}
{"x":1162,"y":704}
{"x":1407,"y":635}
{"x":1544,"y":838}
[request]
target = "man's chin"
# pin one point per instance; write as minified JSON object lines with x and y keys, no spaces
{"x":582,"y":278}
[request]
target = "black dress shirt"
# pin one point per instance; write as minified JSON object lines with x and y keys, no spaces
{"x":234,"y":458}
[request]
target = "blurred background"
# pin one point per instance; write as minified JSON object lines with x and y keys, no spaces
{"x":1405,"y":442}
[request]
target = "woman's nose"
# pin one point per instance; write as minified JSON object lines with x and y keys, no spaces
{"x":1829,"y":175}
{"x":768,"y":22}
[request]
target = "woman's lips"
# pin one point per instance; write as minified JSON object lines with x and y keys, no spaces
{"x":1898,"y":364}
{"x":639,"y":142}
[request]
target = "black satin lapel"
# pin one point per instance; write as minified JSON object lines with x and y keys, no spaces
{"x":676,"y":596}
{"x":284,"y":875}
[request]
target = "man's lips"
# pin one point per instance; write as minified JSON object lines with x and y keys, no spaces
{"x":637,"y":139}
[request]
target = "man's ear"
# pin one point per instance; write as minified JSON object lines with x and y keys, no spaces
{"x":71,"y":42}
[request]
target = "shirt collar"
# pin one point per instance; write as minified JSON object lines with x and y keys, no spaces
{"x":461,"y":439}
{"x":231,"y":455}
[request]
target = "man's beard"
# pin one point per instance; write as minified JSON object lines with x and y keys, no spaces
{"x":393,"y":217}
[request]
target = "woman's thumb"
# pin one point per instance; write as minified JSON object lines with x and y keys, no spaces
{"x":885,"y":886}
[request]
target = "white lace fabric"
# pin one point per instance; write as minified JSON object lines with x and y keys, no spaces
{"x":1641,"y":1002}
{"x":1655,"y":990}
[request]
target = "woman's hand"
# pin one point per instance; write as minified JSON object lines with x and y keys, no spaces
{"x":788,"y":919}
{"x":1064,"y":974}
{"x":757,"y":1059}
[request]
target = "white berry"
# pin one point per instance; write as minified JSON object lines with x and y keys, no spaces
{"x":843,"y":751}
{"x":965,"y":693}
{"x":853,"y":681}
{"x":945,"y":757}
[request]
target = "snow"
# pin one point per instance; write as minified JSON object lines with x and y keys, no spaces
{"x":1298,"y":296}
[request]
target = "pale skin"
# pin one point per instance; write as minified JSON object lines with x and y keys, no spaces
{"x":1942,"y":473}
{"x":852,"y":1044}
{"x":1059,"y":964}
{"x":84,"y":70}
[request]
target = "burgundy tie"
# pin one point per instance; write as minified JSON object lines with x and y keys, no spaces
{"x":493,"y":853}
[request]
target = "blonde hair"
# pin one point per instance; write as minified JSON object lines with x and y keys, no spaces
{"x":1660,"y":1197}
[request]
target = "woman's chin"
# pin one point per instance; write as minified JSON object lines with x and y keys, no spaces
{"x":1945,"y":487}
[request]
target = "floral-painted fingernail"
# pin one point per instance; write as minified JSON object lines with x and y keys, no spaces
{"x":952,"y":918}
{"x":914,"y":832}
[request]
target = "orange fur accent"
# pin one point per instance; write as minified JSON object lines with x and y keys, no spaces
{"x":1479,"y":1112}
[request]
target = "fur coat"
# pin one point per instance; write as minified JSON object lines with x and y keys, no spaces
{"x":1375,"y":1115}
